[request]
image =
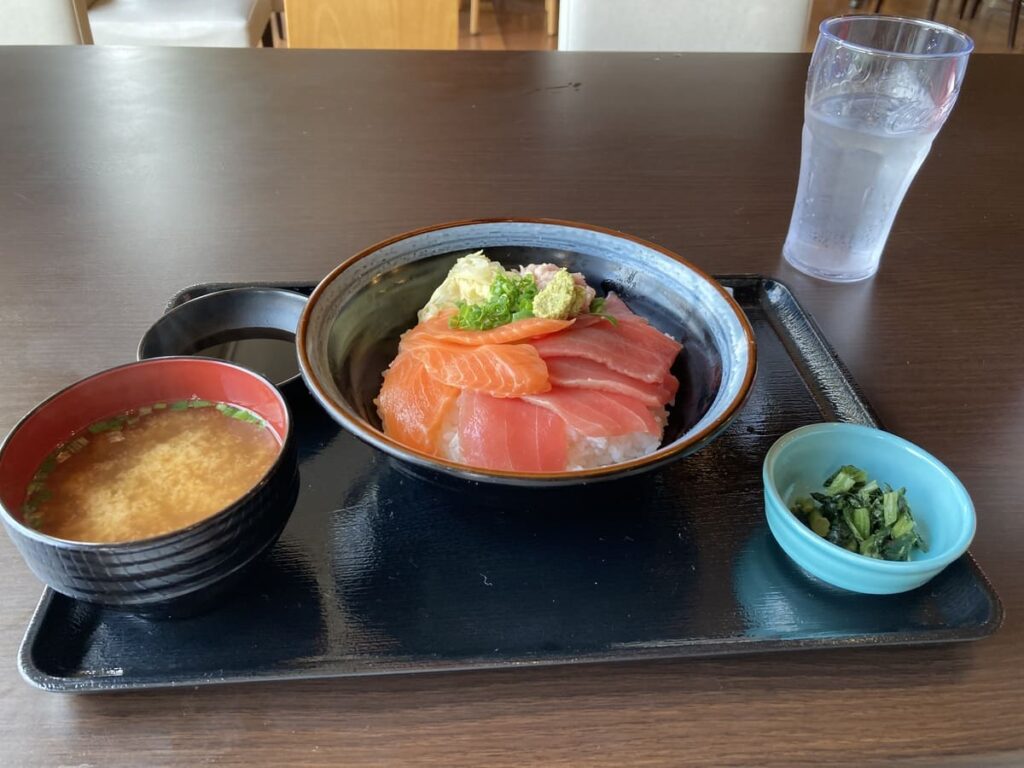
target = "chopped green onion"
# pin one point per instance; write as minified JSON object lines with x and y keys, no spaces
{"x":240,"y":414}
{"x":181,"y":405}
{"x":30,"y":515}
{"x":48,"y":465}
{"x":597,"y":309}
{"x":74,"y":446}
{"x":107,"y":425}
{"x":511,"y":298}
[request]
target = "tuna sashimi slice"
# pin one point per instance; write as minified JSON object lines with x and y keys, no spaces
{"x":510,"y":434}
{"x":501,"y":370}
{"x":616,"y":307}
{"x":579,"y":373}
{"x":638,"y":328}
{"x":598,"y":414}
{"x":413,"y":405}
{"x":611,"y":346}
{"x":518,"y":330}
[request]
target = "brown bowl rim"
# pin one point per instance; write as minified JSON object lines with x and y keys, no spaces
{"x":373,"y":435}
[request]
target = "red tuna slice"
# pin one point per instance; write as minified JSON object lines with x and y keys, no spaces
{"x":597,"y":414}
{"x":510,"y":434}
{"x":638,"y":328}
{"x":579,"y":373}
{"x":617,"y":347}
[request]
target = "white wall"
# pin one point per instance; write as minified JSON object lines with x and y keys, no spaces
{"x":43,"y":22}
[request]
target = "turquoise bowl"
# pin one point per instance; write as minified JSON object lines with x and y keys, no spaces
{"x":800,"y":460}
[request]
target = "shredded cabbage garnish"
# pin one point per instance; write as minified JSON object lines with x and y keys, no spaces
{"x":468,"y":282}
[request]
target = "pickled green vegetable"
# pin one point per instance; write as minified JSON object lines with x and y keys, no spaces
{"x":862,"y":515}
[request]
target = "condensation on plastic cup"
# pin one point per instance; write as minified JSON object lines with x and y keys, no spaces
{"x":878,"y":90}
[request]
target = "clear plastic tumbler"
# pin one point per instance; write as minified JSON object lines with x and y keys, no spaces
{"x":878,"y":90}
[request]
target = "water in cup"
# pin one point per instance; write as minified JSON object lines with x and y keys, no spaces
{"x":878,"y":90}
{"x":856,"y":165}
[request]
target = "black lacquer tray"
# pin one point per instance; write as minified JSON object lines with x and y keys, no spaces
{"x":381,"y":571}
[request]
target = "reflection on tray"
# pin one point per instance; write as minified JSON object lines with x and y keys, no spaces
{"x":514,"y":572}
{"x":780,"y":600}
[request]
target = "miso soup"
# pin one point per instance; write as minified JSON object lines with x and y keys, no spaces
{"x":149,"y":471}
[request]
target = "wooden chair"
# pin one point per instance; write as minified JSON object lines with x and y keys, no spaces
{"x":933,"y":8}
{"x":383,"y":24}
{"x":1015,"y":5}
{"x":550,"y":9}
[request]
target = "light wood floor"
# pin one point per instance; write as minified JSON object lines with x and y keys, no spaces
{"x":989,"y":28}
{"x":518,"y":25}
{"x":507,"y":25}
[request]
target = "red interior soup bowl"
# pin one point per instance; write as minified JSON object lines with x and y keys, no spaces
{"x":177,"y":571}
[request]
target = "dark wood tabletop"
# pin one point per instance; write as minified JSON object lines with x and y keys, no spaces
{"x":128,"y":174}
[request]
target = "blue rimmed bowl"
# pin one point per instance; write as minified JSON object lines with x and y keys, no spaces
{"x":800,"y":460}
{"x":349,"y":331}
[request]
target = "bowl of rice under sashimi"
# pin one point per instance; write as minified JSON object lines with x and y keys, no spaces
{"x":526,"y":352}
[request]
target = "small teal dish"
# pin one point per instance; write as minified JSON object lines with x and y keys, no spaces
{"x":800,"y":460}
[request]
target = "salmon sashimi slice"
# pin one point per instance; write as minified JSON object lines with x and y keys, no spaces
{"x":598,"y":414}
{"x":611,"y":346}
{"x":501,"y":370}
{"x":579,"y":373}
{"x":413,"y":405}
{"x":510,"y":434}
{"x":518,"y":330}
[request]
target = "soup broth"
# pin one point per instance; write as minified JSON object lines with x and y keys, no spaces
{"x":149,"y":471}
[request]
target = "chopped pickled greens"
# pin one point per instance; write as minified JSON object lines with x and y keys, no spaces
{"x":511,"y":298}
{"x":862,"y":515}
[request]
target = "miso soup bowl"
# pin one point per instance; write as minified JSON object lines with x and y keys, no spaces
{"x":178,"y":572}
{"x":348,"y":333}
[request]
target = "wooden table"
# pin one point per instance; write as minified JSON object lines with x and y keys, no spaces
{"x":128,"y":174}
